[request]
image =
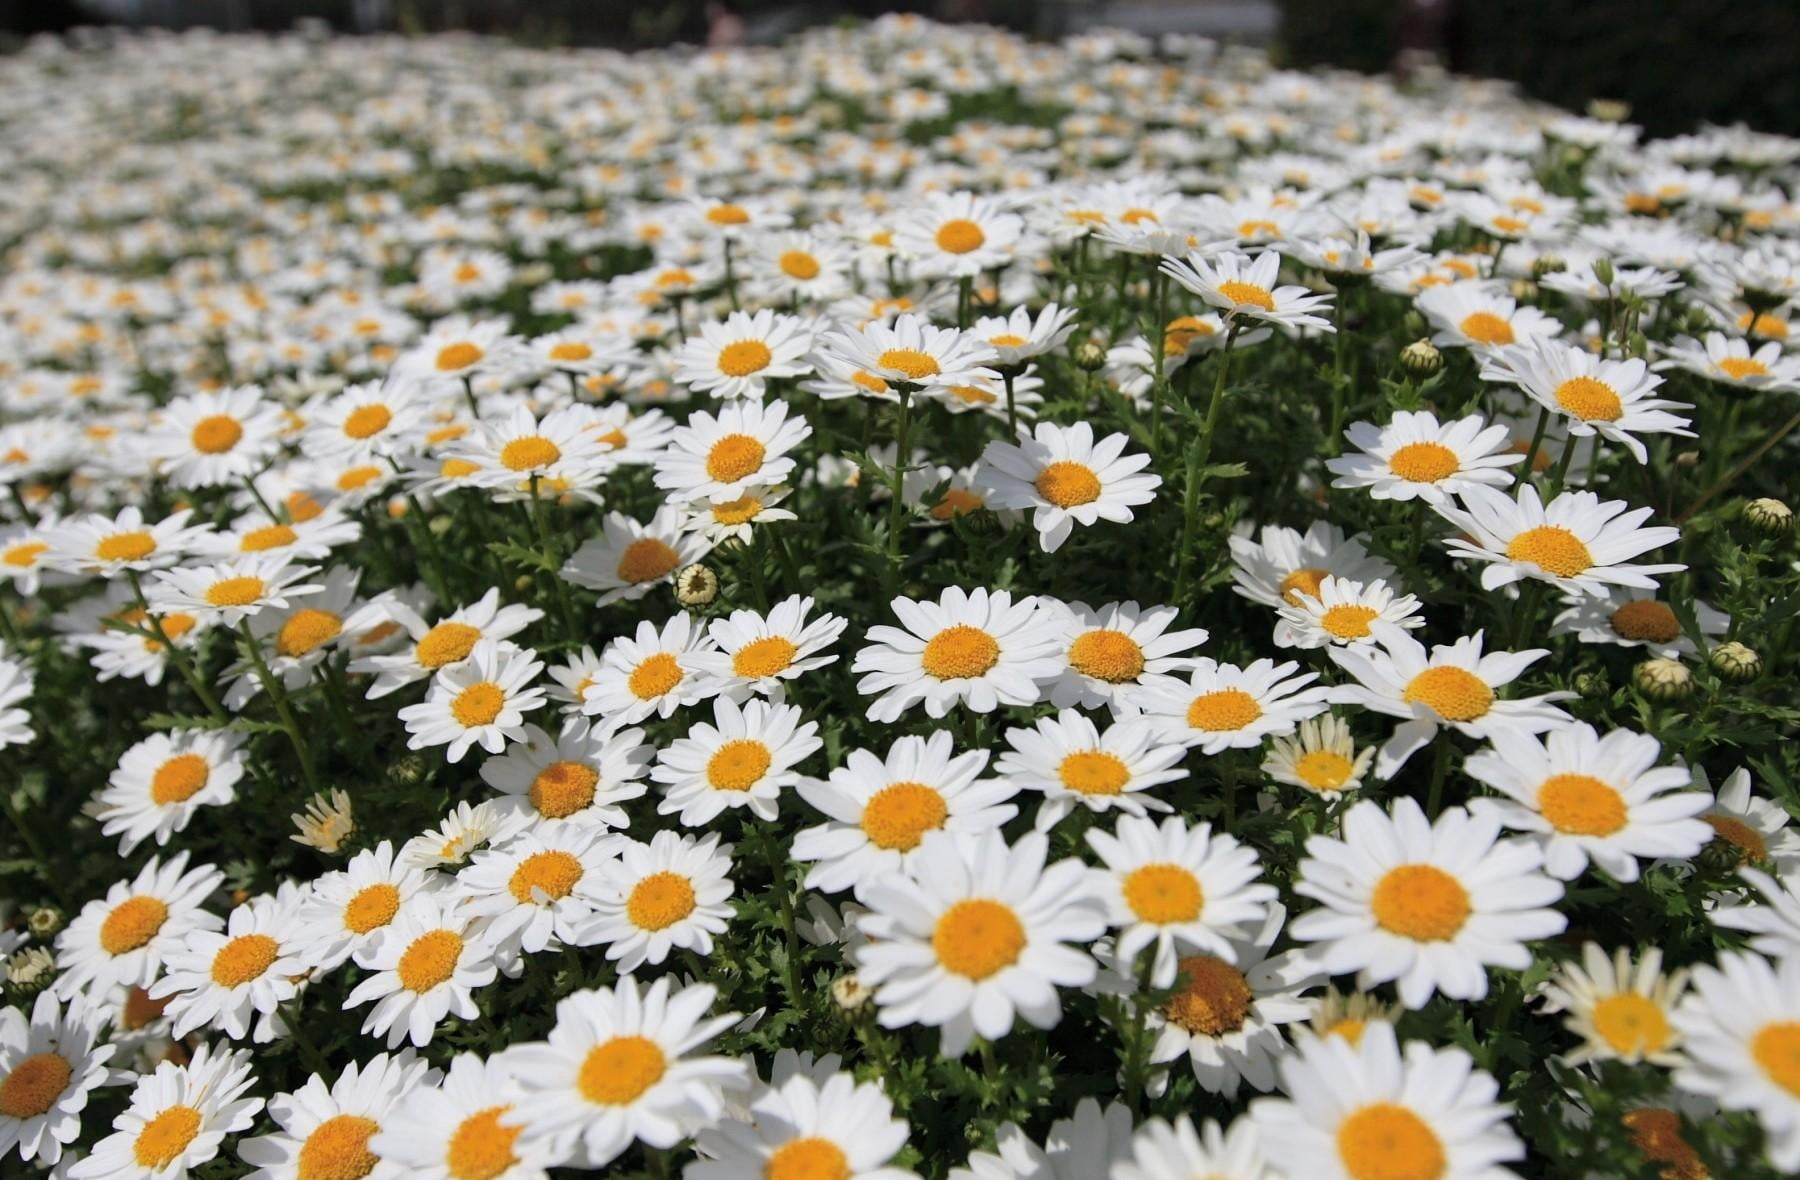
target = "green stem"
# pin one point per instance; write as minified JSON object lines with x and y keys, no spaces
{"x":468,"y":385}
{"x":730,"y":277}
{"x":778,"y":866}
{"x":272,"y":685}
{"x":553,"y":554}
{"x":963,"y":287}
{"x":1557,"y":476}
{"x":1156,"y":338}
{"x":176,"y":656}
{"x":1137,"y":1046}
{"x":1196,"y":466}
{"x":1012,"y":412}
{"x":897,"y":507}
{"x":1537,"y":440}
{"x":57,"y":881}
{"x":1440,"y":770}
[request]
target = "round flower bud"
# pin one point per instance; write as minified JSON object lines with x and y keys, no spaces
{"x":1770,"y":516}
{"x":1421,"y":357}
{"x":408,"y":770}
{"x":522,"y":583}
{"x":1592,"y":683}
{"x":44,"y":921}
{"x":696,"y":585}
{"x":850,"y":993}
{"x":1735,"y":662}
{"x":1088,"y":356}
{"x":30,"y":971}
{"x":440,"y":525}
{"x":1663,"y":680}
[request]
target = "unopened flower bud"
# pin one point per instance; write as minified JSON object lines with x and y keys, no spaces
{"x":1547,"y":264}
{"x":1088,"y":356}
{"x":1524,"y":290}
{"x":1421,"y":357}
{"x":1688,"y":459}
{"x":850,"y":993}
{"x":44,"y":921}
{"x":1663,"y":680}
{"x":696,"y":585}
{"x":1770,"y":516}
{"x":1735,"y":662}
{"x":408,"y":770}
{"x":1592,"y":683}
{"x":1608,"y":110}
{"x":439,"y":525}
{"x":1603,"y":272}
{"x":522,"y":583}
{"x":30,"y":971}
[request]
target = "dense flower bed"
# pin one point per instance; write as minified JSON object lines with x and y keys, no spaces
{"x":915,"y":603}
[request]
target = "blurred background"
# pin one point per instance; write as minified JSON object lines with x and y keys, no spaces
{"x":1678,"y":63}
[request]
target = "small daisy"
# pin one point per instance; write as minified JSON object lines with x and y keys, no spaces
{"x":1120,"y":656}
{"x":1177,"y":890}
{"x":804,"y":1127}
{"x":672,"y":893}
{"x":210,"y":439}
{"x":450,"y":844}
{"x":629,"y":559}
{"x":620,"y":1065}
{"x":976,"y":934}
{"x":49,"y":1064}
{"x":978,"y":648}
{"x":1073,"y":764}
{"x":910,"y":352}
{"x":1454,"y":685}
{"x":1577,"y":542}
{"x":1730,"y":361}
{"x":1017,"y":338}
{"x":578,"y":777}
{"x":1321,"y":758}
{"x":649,"y":674}
{"x":1285,"y":564}
{"x":1161,"y":1151}
{"x":311,"y":539}
{"x":482,"y":701}
{"x":1740,"y":1028}
{"x":1628,"y":617}
{"x":463,"y":1126}
{"x":739,"y":356}
{"x":736,"y":520}
{"x":538,"y":889}
{"x":1614,"y":399}
{"x":1431,"y":906}
{"x":1620,"y":1011}
{"x":745,"y":759}
{"x":1587,"y":797}
{"x":1477,"y":317}
{"x":424,"y":966}
{"x":758,"y":654}
{"x":458,"y":348}
{"x":345,"y":910}
{"x":511,"y":451}
{"x":879,"y":809}
{"x":957,"y":235}
{"x":163,"y":780}
{"x":294,"y":642}
{"x":1757,"y":828}
{"x":1413,"y":456}
{"x":1225,"y":707}
{"x":365,"y":422}
{"x":800,"y":266}
{"x":719,"y":458}
{"x":1348,"y":1015}
{"x":1242,"y":285}
{"x":1363,"y":1110}
{"x":221,"y":979}
{"x":178,"y":1118}
{"x":325,"y":1131}
{"x":1341,"y":613}
{"x":231,"y":591}
{"x":121,"y":939}
{"x":109,"y":546}
{"x":434,"y":647}
{"x":1066,"y":478}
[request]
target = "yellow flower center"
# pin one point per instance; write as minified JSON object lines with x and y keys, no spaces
{"x":1067,"y":484}
{"x":768,"y":656}
{"x":619,"y":1071}
{"x":1308,"y":581}
{"x":1163,"y":893}
{"x":446,"y":643}
{"x":869,"y":381}
{"x":244,"y":959}
{"x":179,"y":779}
{"x":1553,"y":549}
{"x":570,"y":350}
{"x":1589,"y":400}
{"x":914,"y":364}
{"x":977,"y":938}
{"x":307,"y":629}
{"x":647,"y":559}
{"x":367,"y":421}
{"x":1657,"y":1136}
{"x":1253,"y":228}
{"x":458,"y":468}
{"x":563,"y":788}
{"x":357,"y":477}
{"x":217,"y":434}
{"x":1747,"y":840}
{"x":1631,"y":1024}
{"x":660,"y":900}
{"x":554,"y":871}
{"x":1740,"y":367}
{"x":338,"y":1149}
{"x":1214,"y":997}
{"x":898,"y":816}
{"x":478,"y":704}
{"x":240,"y":591}
{"x":132,"y":923}
{"x":798,"y":264}
{"x":960,"y":652}
{"x":744,"y":358}
{"x":373,"y":907}
{"x":734,"y":457}
{"x":1348,"y":620}
{"x":811,"y":1158}
{"x":1424,"y":462}
{"x":272,"y":536}
{"x":430,"y":960}
{"x":658,"y":674}
{"x":24,"y":555}
{"x":1223,"y":710}
{"x":1455,"y":694}
{"x":529,"y":453}
{"x":460,"y":355}
{"x":1093,"y":772}
{"x":1484,"y":327}
{"x":1324,"y":770}
{"x":1383,"y":1141}
{"x":737,"y":765}
{"x":959,"y":236}
{"x":481,"y":1148}
{"x":165,"y":1137}
{"x":34,"y":1085}
{"x":1581,"y":805}
{"x":1646,"y":621}
{"x":972,"y":395}
{"x":132,"y":546}
{"x":728,"y":215}
{"x":1108,"y":655}
{"x":1420,"y":902}
{"x":1510,"y":225}
{"x":1138,"y":216}
{"x":1350,"y":1028}
{"x":956,"y":501}
{"x":1776,"y":1048}
{"x":1244,"y":294}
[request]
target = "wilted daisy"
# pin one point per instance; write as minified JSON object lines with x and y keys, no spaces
{"x":1074,"y":764}
{"x":1614,"y":399}
{"x":538,"y":889}
{"x":1578,"y":542}
{"x":231,"y":591}
{"x":979,"y":648}
{"x":1620,"y":1010}
{"x":1066,"y":478}
{"x":465,"y":829}
{"x":209,"y":439}
{"x":1475,"y":316}
{"x":1284,"y":563}
{"x":578,"y":777}
{"x":1120,"y":655}
{"x":975,"y":934}
{"x":344,"y":910}
{"x":1341,"y":613}
{"x":1413,"y":456}
{"x":672,"y":893}
{"x":110,"y":545}
{"x":622,"y":1064}
{"x":163,"y":780}
{"x":1740,"y":1028}
{"x":178,"y":1117}
{"x":1633,"y":617}
{"x":423,"y":967}
{"x":49,"y":1064}
{"x":758,"y":653}
{"x":482,"y":701}
{"x":744,"y":759}
{"x":1321,"y":757}
{"x":957,"y":235}
{"x":464,"y":1125}
{"x":1429,"y":906}
{"x":1243,"y":285}
{"x":718,"y":458}
{"x":1586,"y":797}
{"x":121,"y":940}
{"x":649,"y":674}
{"x":1164,"y":1151}
{"x":324,"y":1131}
{"x":627,"y":560}
{"x":445,"y":644}
{"x":737,"y":357}
{"x":1223,"y":706}
{"x":1363,"y":1110}
{"x":1453,"y":685}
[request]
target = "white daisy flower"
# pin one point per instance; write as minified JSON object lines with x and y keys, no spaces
{"x":538,"y":889}
{"x":510,"y":451}
{"x":222,"y":979}
{"x":1478,"y":317}
{"x":424,"y":966}
{"x":758,"y":653}
{"x":1631,"y":617}
{"x":1620,"y":1011}
{"x":1066,"y":478}
{"x":1074,"y":764}
{"x":449,"y":845}
{"x":1285,"y":564}
{"x":49,"y":1064}
{"x":672,"y":893}
{"x":162,"y":781}
{"x":975,"y":934}
{"x":1017,"y":338}
{"x":16,"y":685}
{"x":1090,"y":1143}
{"x":1321,"y":758}
{"x":178,"y":1118}
{"x":209,"y":439}
{"x":649,"y":674}
{"x":802,"y":1127}
{"x":1429,"y":905}
{"x":465,"y":1125}
{"x":879,"y":809}
{"x":231,"y":591}
{"x":1729,"y":360}
{"x":628,"y":560}
{"x":911,"y":351}
{"x":1577,"y":542}
{"x":737,"y":357}
{"x":719,"y":458}
{"x":364,"y":422}
{"x":434,"y":647}
{"x":957,"y":235}
{"x":578,"y":778}
{"x":121,"y":940}
{"x":744,"y":760}
{"x":1413,"y":456}
{"x":107,"y":546}
{"x":482,"y":701}
{"x":1242,"y":285}
{"x":295,"y":641}
{"x":1774,"y":920}
{"x":345,"y":910}
{"x":1614,"y":399}
{"x":1225,"y":707}
{"x":1341,"y":613}
{"x":458,"y":348}
{"x":325,"y":1131}
{"x":979,"y":648}
{"x":311,"y":539}
{"x":1161,"y":1151}
{"x":803,"y":266}
{"x":1757,"y":828}
{"x":1119,"y":656}
{"x":1740,"y":1027}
